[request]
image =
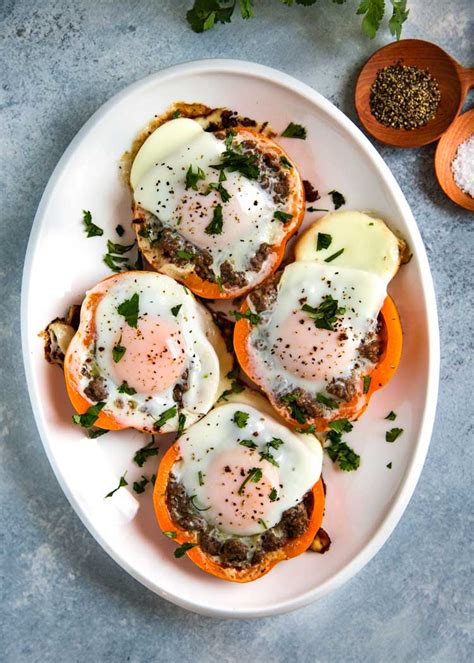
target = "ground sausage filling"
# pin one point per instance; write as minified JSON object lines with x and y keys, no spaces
{"x":239,"y":552}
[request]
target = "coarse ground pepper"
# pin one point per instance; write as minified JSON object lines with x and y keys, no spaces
{"x":404,"y":97}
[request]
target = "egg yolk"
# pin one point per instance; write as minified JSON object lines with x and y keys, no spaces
{"x":312,"y":353}
{"x":234,"y":511}
{"x":155,"y":355}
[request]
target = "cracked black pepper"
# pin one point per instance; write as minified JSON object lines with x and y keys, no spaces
{"x":404,"y":97}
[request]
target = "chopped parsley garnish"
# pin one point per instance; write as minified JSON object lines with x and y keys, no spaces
{"x":119,"y":249}
{"x":200,"y":478}
{"x":392,"y":434}
{"x":129,"y":310}
{"x":316,"y":209}
{"x":275,"y":443}
{"x":282,"y":216}
{"x":145,"y":232}
{"x":341,"y":425}
{"x":254,"y":475}
{"x":339,"y":452}
{"x":125,"y":389}
{"x":120,"y":230}
{"x":89,"y":418}
{"x":366,"y":380}
{"x":389,"y":465}
{"x":115,"y":263}
{"x":273,"y":494}
{"x":142,"y":455}
{"x":323,"y":242}
{"x":118,"y":351}
{"x":310,"y":429}
{"x":250,"y":444}
{"x":183,"y":549}
{"x":334,"y":256}
{"x":253,"y":318}
{"x":220,"y":188}
{"x":217,"y":223}
{"x":326,"y":314}
{"x":176,"y":114}
{"x":328,"y":402}
{"x":233,"y":160}
{"x":164,"y":417}
{"x":175,"y":309}
{"x":262,"y":523}
{"x":122,"y":482}
{"x":235,"y":388}
{"x":219,"y":283}
{"x":96,"y":432}
{"x":170,"y":534}
{"x":338,"y":199}
{"x":285,"y":163}
{"x":240,"y":418}
{"x":91,"y":229}
{"x":139,"y":486}
{"x":294,"y":131}
{"x":192,"y":178}
{"x":391,"y":416}
{"x":185,"y":255}
{"x":296,"y":413}
{"x":181,"y":424}
{"x":229,"y":137}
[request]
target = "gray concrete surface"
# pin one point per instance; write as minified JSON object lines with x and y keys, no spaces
{"x":63,"y":599}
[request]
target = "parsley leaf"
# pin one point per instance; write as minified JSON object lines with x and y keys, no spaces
{"x":334,"y":256}
{"x":310,"y":429}
{"x":399,"y":16}
{"x":328,"y":402}
{"x":294,"y":131}
{"x":139,"y":486}
{"x":125,"y":389}
{"x":175,"y":309}
{"x":220,"y":188}
{"x":246,"y":8}
{"x":185,"y":255}
{"x":391,"y":416}
{"x":192,"y":177}
{"x":296,"y":413}
{"x":122,"y":482}
{"x":254,"y":475}
{"x":129,"y":310}
{"x":285,"y":162}
{"x":366,"y":380}
{"x":119,"y":249}
{"x":215,"y":226}
{"x":233,"y":160}
{"x":323,"y":241}
{"x":236,"y":387}
{"x":339,"y":452}
{"x":282,"y":216}
{"x":389,"y":465}
{"x":240,"y":418}
{"x":205,"y":13}
{"x":393,"y":434}
{"x":326,"y":314}
{"x":118,"y":352}
{"x":164,"y":417}
{"x":338,"y":199}
{"x":253,"y":318}
{"x":170,"y":534}
{"x":250,"y":444}
{"x":96,"y":432}
{"x":176,"y":114}
{"x":341,"y":425}
{"x":89,"y":418}
{"x":142,"y":455}
{"x":374,"y":11}
{"x":91,"y":229}
{"x":120,"y":230}
{"x":181,"y":424}
{"x":183,"y":549}
{"x":273,"y":495}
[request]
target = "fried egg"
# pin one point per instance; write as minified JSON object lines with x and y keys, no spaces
{"x":289,"y":351}
{"x":244,"y":467}
{"x":148,"y":352}
{"x":227,"y":215}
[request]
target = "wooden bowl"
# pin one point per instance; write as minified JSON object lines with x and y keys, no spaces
{"x":457,"y":133}
{"x":454,"y":82}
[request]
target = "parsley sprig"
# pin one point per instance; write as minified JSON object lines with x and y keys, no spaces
{"x":129,"y":310}
{"x":91,"y":229}
{"x":253,"y":318}
{"x":326,"y":314}
{"x":89,"y":417}
{"x":254,"y":475}
{"x":142,"y":455}
{"x":217,"y":223}
{"x":341,"y":453}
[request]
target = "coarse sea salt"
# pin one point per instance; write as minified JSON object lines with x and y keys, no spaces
{"x":463,"y":166}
